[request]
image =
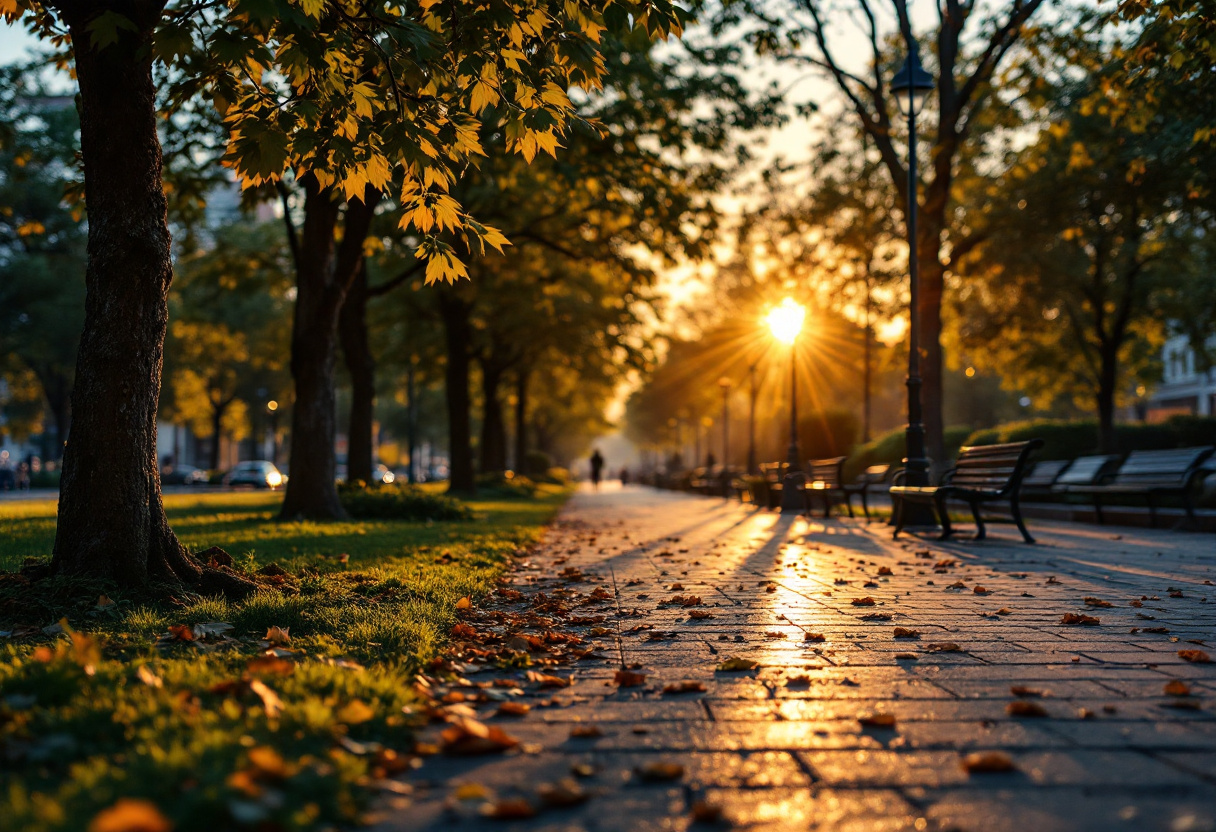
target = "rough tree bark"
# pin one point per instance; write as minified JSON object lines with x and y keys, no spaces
{"x":112,"y":521}
{"x":522,"y":377}
{"x":324,"y":273}
{"x":361,"y":366}
{"x":458,"y":333}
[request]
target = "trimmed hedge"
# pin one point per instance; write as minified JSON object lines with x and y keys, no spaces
{"x":1071,"y":439}
{"x":889,"y":449}
{"x":399,"y":502}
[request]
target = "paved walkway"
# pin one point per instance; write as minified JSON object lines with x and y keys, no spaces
{"x":1081,"y":711}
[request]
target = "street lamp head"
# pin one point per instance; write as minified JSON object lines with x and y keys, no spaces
{"x":272,"y":406}
{"x":785,"y":320}
{"x":911,"y":84}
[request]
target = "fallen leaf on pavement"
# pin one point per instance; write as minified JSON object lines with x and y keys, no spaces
{"x":957,"y":585}
{"x":1176,"y":687}
{"x":629,"y":678}
{"x":1025,"y":692}
{"x":877,"y":720}
{"x":704,"y":812}
{"x":863,"y":602}
{"x":800,"y":682}
{"x":736,"y":663}
{"x":684,"y":687}
{"x":943,"y":647}
{"x":130,"y":815}
{"x":512,"y":808}
{"x":885,"y":570}
{"x":1004,"y":611}
{"x":586,"y":732}
{"x":468,"y":736}
{"x":1080,"y":619}
{"x":1026,"y":709}
{"x":814,"y":637}
{"x":907,"y":657}
{"x":544,"y":680}
{"x":565,"y":792}
{"x":471,"y":791}
{"x":513,"y":709}
{"x":904,"y":632}
{"x":1096,"y":602}
{"x":659,"y":772}
{"x":582,"y":770}
{"x":1196,"y":656}
{"x":700,"y":615}
{"x":988,"y":762}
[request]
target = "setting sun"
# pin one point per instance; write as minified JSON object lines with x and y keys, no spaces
{"x":785,"y":320}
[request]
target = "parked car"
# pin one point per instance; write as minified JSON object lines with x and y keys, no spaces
{"x":258,"y":473}
{"x":183,"y":475}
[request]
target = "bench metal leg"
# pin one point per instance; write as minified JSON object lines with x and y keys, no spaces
{"x":1098,"y":509}
{"x":897,"y":508}
{"x":980,"y":531}
{"x":943,"y":517}
{"x":848,"y":503}
{"x":1015,"y":509}
{"x":865,"y":506}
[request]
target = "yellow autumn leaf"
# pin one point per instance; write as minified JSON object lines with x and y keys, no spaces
{"x":354,"y":712}
{"x":364,"y":96}
{"x":313,"y":8}
{"x":29,"y":228}
{"x":130,"y":815}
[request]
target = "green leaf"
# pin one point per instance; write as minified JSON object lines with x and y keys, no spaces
{"x":104,"y":29}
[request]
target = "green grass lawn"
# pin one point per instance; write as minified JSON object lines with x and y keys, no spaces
{"x":214,"y":733}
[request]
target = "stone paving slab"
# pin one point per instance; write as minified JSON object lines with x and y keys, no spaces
{"x":1097,"y":743}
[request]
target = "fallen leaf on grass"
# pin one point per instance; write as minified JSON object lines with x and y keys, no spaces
{"x":146,"y":675}
{"x":562,"y":794}
{"x":130,"y":815}
{"x":736,"y":663}
{"x":512,"y":808}
{"x":1176,"y":687}
{"x":544,"y":680}
{"x":270,"y":666}
{"x":466,"y":736}
{"x":1076,"y":618}
{"x":904,"y":632}
{"x":863,"y":602}
{"x":355,"y":712}
{"x":513,"y":709}
{"x":1026,"y":709}
{"x":629,"y":678}
{"x":877,"y":720}
{"x":585,"y":732}
{"x":659,"y":772}
{"x":278,"y":636}
{"x":270,"y":700}
{"x":943,"y":647}
{"x":988,"y":762}
{"x":466,"y":603}
{"x":104,"y":601}
{"x":684,"y":687}
{"x":1195,"y":656}
{"x":181,"y":632}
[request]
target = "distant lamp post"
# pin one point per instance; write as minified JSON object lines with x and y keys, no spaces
{"x":785,"y":322}
{"x":751,"y":420}
{"x":272,"y":409}
{"x":725,"y":384}
{"x":910,"y":86}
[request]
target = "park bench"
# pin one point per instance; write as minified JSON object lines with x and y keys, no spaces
{"x":1151,"y":474}
{"x":1084,"y":471}
{"x":824,"y":480}
{"x":1042,"y":476}
{"x":982,"y":474}
{"x":772,"y":475}
{"x":872,"y":477}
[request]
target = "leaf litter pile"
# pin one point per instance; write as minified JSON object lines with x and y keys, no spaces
{"x":294,"y":709}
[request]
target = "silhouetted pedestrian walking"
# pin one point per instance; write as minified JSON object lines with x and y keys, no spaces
{"x":597,"y":468}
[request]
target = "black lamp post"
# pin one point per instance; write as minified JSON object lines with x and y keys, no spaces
{"x":910,"y":86}
{"x":751,"y":421}
{"x":785,"y":321}
{"x":272,"y":409}
{"x":724,"y":383}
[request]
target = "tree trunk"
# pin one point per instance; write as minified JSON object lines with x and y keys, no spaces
{"x":522,"y":378}
{"x":361,"y":365}
{"x":112,"y":521}
{"x":217,"y":418}
{"x":458,"y":333}
{"x":493,"y":425}
{"x":324,"y":273}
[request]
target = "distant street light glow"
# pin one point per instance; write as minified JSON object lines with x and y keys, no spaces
{"x":785,"y":320}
